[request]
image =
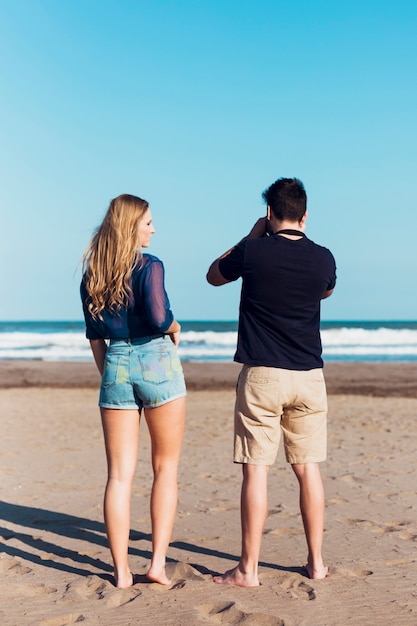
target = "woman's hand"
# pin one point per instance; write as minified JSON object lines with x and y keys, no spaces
{"x":174,"y":333}
{"x":175,"y":338}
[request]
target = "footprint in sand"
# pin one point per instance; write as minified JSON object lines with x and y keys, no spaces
{"x":180,"y":574}
{"x":298,"y":589}
{"x":336,"y":500}
{"x":353,"y":573}
{"x":22,"y":589}
{"x":405,"y":529}
{"x":93,"y":588}
{"x":63,"y":620}
{"x":284,"y":532}
{"x":229,"y":613}
{"x":394,"y":496}
{"x":183,"y":570}
{"x":364,"y":523}
{"x":351,"y":479}
{"x":13,"y":566}
{"x":28,"y":590}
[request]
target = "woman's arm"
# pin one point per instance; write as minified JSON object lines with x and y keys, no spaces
{"x":99,"y":348}
{"x":174,"y":332}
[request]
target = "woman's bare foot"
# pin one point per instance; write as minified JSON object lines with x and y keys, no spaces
{"x":157,"y":576}
{"x":237,"y":578}
{"x":123,"y":582}
{"x":316,"y":573}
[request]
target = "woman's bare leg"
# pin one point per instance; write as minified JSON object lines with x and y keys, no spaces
{"x":166,"y":427}
{"x":312,"y":511}
{"x":121,"y":432}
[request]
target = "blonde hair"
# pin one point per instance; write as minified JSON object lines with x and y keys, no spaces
{"x":112,"y":254}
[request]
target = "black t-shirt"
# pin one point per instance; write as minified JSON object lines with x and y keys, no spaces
{"x":283,"y":281}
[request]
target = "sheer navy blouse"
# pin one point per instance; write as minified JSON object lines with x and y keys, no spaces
{"x":148,"y":313}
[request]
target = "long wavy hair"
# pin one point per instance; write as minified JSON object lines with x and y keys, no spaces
{"x":112,"y":254}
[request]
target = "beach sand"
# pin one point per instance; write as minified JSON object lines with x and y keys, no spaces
{"x":54,"y":561}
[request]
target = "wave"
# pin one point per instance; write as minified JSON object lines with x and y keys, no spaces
{"x":360,"y":336}
{"x":339,"y":343}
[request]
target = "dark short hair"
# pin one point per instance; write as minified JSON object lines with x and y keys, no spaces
{"x":287,"y":199}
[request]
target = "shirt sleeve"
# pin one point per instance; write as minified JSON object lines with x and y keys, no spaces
{"x":91,"y":331}
{"x":332,"y":281}
{"x":157,"y":307}
{"x":231,"y":266}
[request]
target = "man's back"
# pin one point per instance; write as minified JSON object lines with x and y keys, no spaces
{"x":283,"y":282}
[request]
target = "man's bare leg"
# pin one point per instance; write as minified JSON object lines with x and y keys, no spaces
{"x":312,"y":511}
{"x":253,"y":510}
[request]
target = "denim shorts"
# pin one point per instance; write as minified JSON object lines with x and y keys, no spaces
{"x":143,"y":372}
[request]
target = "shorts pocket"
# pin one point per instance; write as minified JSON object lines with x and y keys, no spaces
{"x":314,"y":396}
{"x":260,"y":375}
{"x":115,"y":370}
{"x":157,"y":366}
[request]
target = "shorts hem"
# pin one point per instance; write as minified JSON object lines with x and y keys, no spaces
{"x":170,"y":399}
{"x":136,"y":407}
{"x":297,"y":461}
{"x":248,"y":461}
{"x":127,"y":407}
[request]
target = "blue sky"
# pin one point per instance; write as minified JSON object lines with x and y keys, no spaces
{"x":197,"y":106}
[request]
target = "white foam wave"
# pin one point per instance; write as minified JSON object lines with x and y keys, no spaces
{"x":206,"y":351}
{"x":209,"y":337}
{"x":364,"y":337}
{"x":371,"y":350}
{"x":211,"y":345}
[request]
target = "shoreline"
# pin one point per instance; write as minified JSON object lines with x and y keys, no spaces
{"x":355,"y":378}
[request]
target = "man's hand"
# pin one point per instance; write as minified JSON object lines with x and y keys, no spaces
{"x":259,"y":229}
{"x":214,"y":276}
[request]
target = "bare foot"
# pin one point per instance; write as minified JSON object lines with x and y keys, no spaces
{"x":157,"y":576}
{"x":123,"y":582}
{"x":236,"y":578}
{"x":316,"y":573}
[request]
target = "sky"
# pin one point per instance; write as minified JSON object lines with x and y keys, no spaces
{"x":198,"y":106}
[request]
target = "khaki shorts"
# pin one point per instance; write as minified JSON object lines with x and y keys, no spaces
{"x":270,"y":400}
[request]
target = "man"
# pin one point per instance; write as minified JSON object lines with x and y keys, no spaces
{"x":281,"y":387}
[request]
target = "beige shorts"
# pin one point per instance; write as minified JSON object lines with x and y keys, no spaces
{"x":270,"y":400}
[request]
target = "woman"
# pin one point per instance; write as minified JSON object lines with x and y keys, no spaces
{"x":125,"y":302}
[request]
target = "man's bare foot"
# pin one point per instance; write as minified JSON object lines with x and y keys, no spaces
{"x":157,"y":576}
{"x":316,"y":573}
{"x":237,"y":578}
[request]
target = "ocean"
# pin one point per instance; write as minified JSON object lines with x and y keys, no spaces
{"x":213,"y":341}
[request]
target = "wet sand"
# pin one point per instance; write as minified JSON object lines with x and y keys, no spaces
{"x":54,"y":560}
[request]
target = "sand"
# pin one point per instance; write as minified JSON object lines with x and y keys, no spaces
{"x":54,"y":560}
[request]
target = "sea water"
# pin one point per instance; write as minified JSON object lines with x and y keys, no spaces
{"x":213,"y":341}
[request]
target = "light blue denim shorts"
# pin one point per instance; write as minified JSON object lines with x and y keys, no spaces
{"x":143,"y":372}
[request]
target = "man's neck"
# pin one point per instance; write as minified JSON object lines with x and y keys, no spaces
{"x":277,"y":225}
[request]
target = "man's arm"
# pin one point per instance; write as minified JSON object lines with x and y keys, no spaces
{"x":327,"y":294}
{"x":214,"y":275}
